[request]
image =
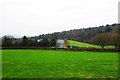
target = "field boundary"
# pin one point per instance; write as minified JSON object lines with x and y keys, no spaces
{"x":65,"y":49}
{"x":72,"y":78}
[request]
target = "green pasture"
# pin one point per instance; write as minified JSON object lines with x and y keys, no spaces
{"x":59,"y":64}
{"x":85,"y":45}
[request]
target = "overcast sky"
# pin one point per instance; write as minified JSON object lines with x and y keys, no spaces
{"x":35,"y":17}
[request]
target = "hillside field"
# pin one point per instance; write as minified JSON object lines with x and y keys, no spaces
{"x":85,"y":45}
{"x":58,"y":64}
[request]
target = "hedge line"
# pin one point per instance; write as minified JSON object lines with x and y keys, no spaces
{"x":65,"y":49}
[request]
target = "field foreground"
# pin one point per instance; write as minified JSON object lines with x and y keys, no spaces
{"x":59,"y":64}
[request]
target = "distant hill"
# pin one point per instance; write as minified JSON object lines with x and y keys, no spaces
{"x":84,"y":34}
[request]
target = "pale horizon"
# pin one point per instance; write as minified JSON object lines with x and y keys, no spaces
{"x":36,"y":17}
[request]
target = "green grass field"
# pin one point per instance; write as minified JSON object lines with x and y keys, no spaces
{"x":85,"y":45}
{"x":58,"y":64}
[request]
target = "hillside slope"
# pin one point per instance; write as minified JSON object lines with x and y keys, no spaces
{"x":85,"y":45}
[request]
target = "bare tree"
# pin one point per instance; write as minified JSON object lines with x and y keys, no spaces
{"x":101,"y":39}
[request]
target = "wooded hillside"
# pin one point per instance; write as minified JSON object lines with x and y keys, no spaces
{"x":84,"y":34}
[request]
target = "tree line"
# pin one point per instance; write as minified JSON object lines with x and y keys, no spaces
{"x":105,"y":39}
{"x":10,"y":41}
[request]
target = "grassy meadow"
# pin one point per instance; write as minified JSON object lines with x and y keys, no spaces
{"x":59,"y":64}
{"x":85,"y":45}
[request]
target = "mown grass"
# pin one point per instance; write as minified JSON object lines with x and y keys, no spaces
{"x":58,"y":64}
{"x":85,"y":45}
